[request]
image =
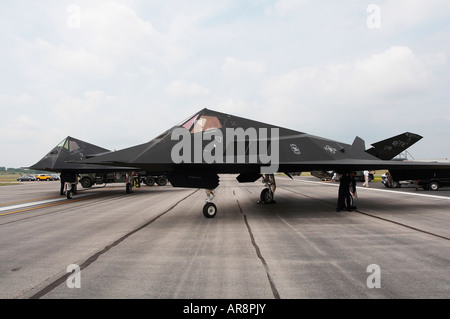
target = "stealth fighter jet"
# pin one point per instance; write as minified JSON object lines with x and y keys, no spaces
{"x":62,"y":159}
{"x":71,"y":149}
{"x":198,"y":149}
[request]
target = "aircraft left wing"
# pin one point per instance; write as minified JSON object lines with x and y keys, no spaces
{"x":389,"y":148}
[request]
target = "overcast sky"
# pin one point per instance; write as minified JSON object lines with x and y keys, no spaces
{"x":119,"y":73}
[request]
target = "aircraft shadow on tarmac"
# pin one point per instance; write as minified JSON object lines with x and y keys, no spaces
{"x":325,"y":207}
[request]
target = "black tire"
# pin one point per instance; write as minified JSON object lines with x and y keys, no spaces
{"x":150,"y":181}
{"x":266,"y":196}
{"x":69,"y":194}
{"x":161,"y":181}
{"x":86,"y":182}
{"x":434,"y":186}
{"x":128,"y":188}
{"x":209,"y":210}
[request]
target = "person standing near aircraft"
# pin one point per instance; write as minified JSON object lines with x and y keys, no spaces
{"x":344,"y":196}
{"x":366,"y":179}
{"x":390,"y":180}
{"x":130,"y":182}
{"x":352,"y":192}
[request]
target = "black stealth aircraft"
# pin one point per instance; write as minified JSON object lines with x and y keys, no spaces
{"x":61,"y":159}
{"x":194,"y":153}
{"x":71,"y":149}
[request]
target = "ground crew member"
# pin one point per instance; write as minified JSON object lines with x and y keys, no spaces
{"x":344,"y":192}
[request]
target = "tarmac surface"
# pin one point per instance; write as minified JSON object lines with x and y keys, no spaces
{"x":156,"y":243}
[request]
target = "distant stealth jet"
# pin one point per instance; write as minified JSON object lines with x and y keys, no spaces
{"x":195,"y":151}
{"x":72,"y":149}
{"x":66,"y":157}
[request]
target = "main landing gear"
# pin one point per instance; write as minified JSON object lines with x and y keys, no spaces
{"x":71,"y":188}
{"x":266,"y":197}
{"x":268,"y":193}
{"x":210,"y":209}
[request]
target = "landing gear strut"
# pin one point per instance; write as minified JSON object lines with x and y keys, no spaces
{"x":268,"y":193}
{"x":71,"y":188}
{"x":210,"y":209}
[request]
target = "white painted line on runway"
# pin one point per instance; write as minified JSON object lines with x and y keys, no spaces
{"x":41,"y":202}
{"x":30,"y":204}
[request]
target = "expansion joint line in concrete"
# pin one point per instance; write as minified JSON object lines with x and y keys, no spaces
{"x":94,"y":257}
{"x":258,"y":253}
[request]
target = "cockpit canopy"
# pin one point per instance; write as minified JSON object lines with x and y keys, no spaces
{"x":202,"y":123}
{"x":68,"y":144}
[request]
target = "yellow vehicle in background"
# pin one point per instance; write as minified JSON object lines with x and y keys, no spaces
{"x":44,"y":177}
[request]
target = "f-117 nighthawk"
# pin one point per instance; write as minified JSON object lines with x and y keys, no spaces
{"x":63,"y":159}
{"x":71,"y":149}
{"x":194,"y":152}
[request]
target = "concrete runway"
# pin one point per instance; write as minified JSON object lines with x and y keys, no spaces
{"x":155,"y":243}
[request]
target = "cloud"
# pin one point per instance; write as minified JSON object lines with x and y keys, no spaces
{"x":181,"y":88}
{"x":111,"y":39}
{"x":394,"y":73}
{"x":284,"y":7}
{"x":93,"y":105}
{"x":293,"y":63}
{"x":349,"y":95}
{"x":235,"y":69}
{"x":20,"y":142}
{"x":16,"y":100}
{"x":116,"y":31}
{"x":18,"y":129}
{"x":401,"y":14}
{"x":79,"y":62}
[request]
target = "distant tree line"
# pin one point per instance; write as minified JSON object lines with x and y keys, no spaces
{"x":19,"y":171}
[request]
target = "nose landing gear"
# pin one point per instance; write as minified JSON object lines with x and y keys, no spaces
{"x":210,"y":209}
{"x":266,"y":197}
{"x":268,"y":193}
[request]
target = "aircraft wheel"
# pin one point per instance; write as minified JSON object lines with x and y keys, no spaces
{"x":69,"y":194}
{"x":150,"y":181}
{"x":209,"y":210}
{"x":161,"y":181}
{"x":128,"y":188}
{"x":434,"y":186}
{"x":266,"y":196}
{"x":86,"y":182}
